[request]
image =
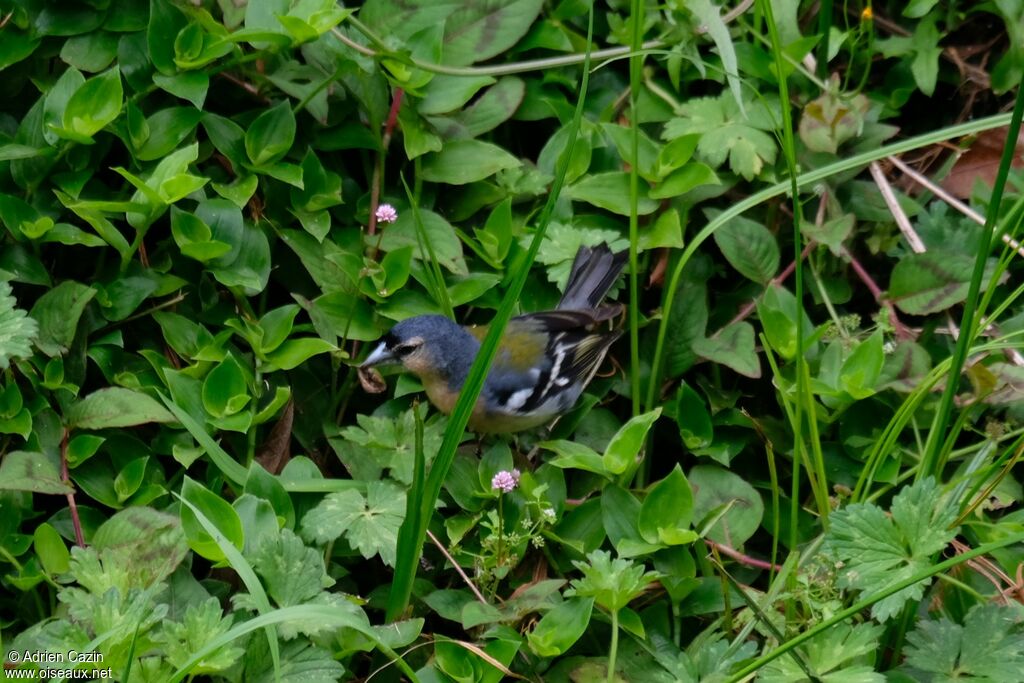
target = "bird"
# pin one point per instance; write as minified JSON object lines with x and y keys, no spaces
{"x":544,"y":360}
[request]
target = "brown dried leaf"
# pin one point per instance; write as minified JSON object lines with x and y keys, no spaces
{"x":371,"y":380}
{"x":981,"y":162}
{"x":275,"y":452}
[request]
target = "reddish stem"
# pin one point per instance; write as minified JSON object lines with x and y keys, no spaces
{"x":778,"y":279}
{"x":66,"y":478}
{"x":901,"y":330}
{"x":378,"y":169}
{"x":741,"y":558}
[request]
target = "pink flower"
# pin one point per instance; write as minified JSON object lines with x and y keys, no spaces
{"x":505,"y":481}
{"x":386,"y":214}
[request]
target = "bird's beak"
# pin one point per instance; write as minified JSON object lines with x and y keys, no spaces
{"x":379,"y":356}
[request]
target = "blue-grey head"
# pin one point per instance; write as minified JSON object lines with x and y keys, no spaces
{"x":429,"y":346}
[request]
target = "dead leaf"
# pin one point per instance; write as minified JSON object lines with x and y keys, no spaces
{"x":371,"y":380}
{"x":275,"y":452}
{"x":981,"y":162}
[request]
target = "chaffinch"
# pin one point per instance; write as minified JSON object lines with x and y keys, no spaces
{"x":544,"y":359}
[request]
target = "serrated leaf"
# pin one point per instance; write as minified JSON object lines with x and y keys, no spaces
{"x":370,"y":523}
{"x":878,"y":550}
{"x":17,"y":329}
{"x":989,"y":646}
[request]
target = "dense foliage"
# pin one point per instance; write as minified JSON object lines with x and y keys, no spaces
{"x":800,"y":466}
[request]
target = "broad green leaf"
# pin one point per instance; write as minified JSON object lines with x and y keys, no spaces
{"x":749,"y":247}
{"x":732,"y":346}
{"x":116,"y":407}
{"x":624,"y":448}
{"x":57,"y":312}
{"x":225,"y":389}
{"x":777,"y":311}
{"x":561,"y":627}
{"x":95,"y":104}
{"x":27,"y":471}
{"x":50,"y":549}
{"x":861,"y":369}
{"x":667,"y":511}
{"x":930,"y":282}
{"x":728,"y":499}
{"x":473,"y":31}
{"x":447,"y":93}
{"x":610,"y":191}
{"x":294,"y":352}
{"x":693,"y":418}
{"x":465,"y":161}
{"x":271,"y":135}
{"x":218,"y":511}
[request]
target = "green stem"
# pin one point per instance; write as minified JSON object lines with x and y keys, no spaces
{"x":764,"y":195}
{"x":613,"y":651}
{"x":937,"y":435}
{"x":861,"y":605}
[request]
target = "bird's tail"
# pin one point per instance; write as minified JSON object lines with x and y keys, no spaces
{"x":594,"y":271}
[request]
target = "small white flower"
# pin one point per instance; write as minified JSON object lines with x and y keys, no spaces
{"x":386,"y":214}
{"x":549,"y":514}
{"x":505,"y":481}
{"x":888,"y":347}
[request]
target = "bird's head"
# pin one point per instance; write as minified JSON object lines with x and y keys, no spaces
{"x":427,"y":345}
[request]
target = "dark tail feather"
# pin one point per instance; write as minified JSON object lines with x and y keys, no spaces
{"x":594,"y":271}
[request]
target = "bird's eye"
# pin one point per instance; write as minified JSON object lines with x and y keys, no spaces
{"x":403,"y":350}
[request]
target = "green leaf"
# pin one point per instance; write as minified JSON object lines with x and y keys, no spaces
{"x":667,"y":511}
{"x":732,"y":346}
{"x":225,"y":389}
{"x":116,"y":407}
{"x":95,"y":104}
{"x":561,"y":627}
{"x":989,"y":646}
{"x":612,"y":583}
{"x":777,"y":311}
{"x":466,"y":161}
{"x":292,"y":572}
{"x":624,"y":447}
{"x":294,"y":352}
{"x":729,"y":133}
{"x":369,"y":524}
{"x":749,"y":247}
{"x":473,"y":31}
{"x":19,"y":330}
{"x":931,"y":281}
{"x":50,"y":549}
{"x":610,"y":191}
{"x":717,"y":490}
{"x":862,"y":368}
{"x":693,"y":418}
{"x":218,"y":512}
{"x":25,"y":471}
{"x":200,"y":624}
{"x":57,"y":312}
{"x":840,"y":655}
{"x":878,"y":550}
{"x":271,"y":135}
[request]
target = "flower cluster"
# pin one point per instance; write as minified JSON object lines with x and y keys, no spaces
{"x":505,"y":481}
